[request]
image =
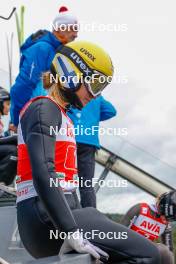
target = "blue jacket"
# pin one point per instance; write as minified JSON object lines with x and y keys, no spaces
{"x":89,"y":117}
{"x":37,"y":54}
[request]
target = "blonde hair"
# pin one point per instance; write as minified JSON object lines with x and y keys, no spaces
{"x":46,"y":79}
{"x":54,"y":89}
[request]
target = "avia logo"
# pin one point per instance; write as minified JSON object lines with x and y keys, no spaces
{"x":151,"y":227}
{"x":88,"y":54}
{"x":81,"y":64}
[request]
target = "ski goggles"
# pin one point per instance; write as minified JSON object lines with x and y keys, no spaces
{"x":94,"y":81}
{"x":97,"y":83}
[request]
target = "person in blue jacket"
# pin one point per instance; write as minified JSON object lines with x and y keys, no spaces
{"x":86,"y":124}
{"x":37,"y":54}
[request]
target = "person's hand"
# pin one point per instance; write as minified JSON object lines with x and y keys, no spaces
{"x":13,"y":128}
{"x":77,"y":243}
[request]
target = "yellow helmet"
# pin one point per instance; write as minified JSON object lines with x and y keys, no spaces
{"x":82,"y":61}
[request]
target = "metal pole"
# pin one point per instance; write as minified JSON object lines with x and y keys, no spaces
{"x":134,"y":174}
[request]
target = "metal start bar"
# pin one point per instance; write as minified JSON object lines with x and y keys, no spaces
{"x":133,"y":174}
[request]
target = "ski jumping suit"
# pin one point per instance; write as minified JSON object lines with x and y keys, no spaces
{"x":41,"y":207}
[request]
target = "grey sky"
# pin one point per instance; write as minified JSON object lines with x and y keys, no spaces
{"x":144,"y":55}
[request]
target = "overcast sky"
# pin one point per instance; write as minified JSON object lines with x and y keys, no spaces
{"x":144,"y":58}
